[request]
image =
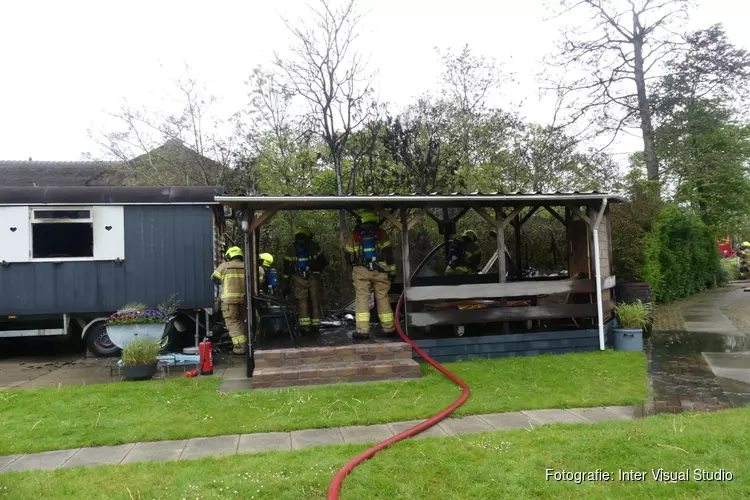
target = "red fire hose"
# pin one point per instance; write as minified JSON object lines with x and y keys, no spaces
{"x":335,"y":488}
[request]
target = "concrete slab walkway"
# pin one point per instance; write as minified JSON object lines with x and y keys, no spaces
{"x":163,"y":451}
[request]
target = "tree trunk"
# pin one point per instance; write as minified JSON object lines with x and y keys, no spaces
{"x":644,"y":109}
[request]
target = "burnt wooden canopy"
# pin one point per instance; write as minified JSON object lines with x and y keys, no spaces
{"x":404,"y":211}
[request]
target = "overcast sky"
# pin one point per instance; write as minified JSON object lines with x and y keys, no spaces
{"x":63,"y":64}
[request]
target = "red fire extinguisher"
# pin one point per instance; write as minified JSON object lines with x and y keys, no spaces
{"x":206,"y":356}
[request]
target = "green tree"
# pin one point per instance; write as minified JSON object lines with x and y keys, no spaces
{"x":703,"y":145}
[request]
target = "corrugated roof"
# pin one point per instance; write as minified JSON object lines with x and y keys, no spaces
{"x":101,"y":195}
{"x":52,"y":173}
{"x":416,"y":200}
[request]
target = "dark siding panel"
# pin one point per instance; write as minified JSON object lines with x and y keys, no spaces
{"x":168,"y":250}
{"x":497,"y":346}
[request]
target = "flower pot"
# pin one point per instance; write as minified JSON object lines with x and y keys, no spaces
{"x":628,"y":339}
{"x":139,"y":372}
{"x":122,"y":335}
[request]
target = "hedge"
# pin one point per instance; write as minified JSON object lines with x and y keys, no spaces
{"x":680,"y":255}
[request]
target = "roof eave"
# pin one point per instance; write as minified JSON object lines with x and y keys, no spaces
{"x":395,"y":201}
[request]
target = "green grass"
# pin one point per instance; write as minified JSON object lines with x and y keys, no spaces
{"x":489,"y":466}
{"x":109,"y":414}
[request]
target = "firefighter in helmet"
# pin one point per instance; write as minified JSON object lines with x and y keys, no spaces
{"x":265,"y":271}
{"x":231,"y":276}
{"x":303,"y":264}
{"x":744,"y":258}
{"x":370,"y":254}
{"x":463,"y":256}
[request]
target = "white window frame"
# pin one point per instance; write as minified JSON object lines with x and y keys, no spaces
{"x":33,"y":220}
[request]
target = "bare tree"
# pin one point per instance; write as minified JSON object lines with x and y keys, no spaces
{"x":616,"y":51}
{"x":167,"y":148}
{"x":467,"y":79}
{"x":325,"y":69}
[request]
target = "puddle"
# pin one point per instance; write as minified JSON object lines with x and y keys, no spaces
{"x":681,"y":343}
{"x":683,"y":379}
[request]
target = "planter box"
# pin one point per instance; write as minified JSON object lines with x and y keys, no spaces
{"x":628,"y":339}
{"x":139,"y":372}
{"x":122,"y":335}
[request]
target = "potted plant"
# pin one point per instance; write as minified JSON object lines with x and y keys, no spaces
{"x":632,"y":318}
{"x":139,"y":359}
{"x":136,"y":321}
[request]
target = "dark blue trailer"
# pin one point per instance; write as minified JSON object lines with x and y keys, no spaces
{"x":70,"y":256}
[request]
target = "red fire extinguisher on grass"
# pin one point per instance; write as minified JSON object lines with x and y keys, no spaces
{"x":205,"y":349}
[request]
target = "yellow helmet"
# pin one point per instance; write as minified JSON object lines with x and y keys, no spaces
{"x":266,"y":259}
{"x":303,"y":231}
{"x":470,"y":235}
{"x":233,"y":252}
{"x":745,"y":244}
{"x":367,"y":216}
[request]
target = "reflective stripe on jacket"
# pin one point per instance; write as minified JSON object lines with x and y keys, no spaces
{"x":232,"y":277}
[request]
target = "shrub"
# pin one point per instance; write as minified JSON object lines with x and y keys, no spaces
{"x":634,"y":315}
{"x":680,"y":255}
{"x":631,"y":224}
{"x":730,"y":271}
{"x":140,"y":352}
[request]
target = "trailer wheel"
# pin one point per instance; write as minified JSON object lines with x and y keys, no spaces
{"x":98,"y":342}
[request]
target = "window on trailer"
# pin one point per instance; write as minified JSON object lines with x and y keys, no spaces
{"x":57,"y":233}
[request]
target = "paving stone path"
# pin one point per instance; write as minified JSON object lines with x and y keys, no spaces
{"x":703,"y":368}
{"x":163,"y":451}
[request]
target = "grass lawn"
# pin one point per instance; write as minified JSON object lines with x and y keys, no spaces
{"x":489,"y":466}
{"x":108,"y":414}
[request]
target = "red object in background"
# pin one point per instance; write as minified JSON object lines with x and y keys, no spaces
{"x":206,"y":357}
{"x":725,"y":247}
{"x":192,"y":373}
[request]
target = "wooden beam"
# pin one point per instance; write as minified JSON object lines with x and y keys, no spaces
{"x":262,"y":219}
{"x":554,"y":213}
{"x":390,"y":218}
{"x":432,"y":216}
{"x":497,"y":290}
{"x":415,"y":220}
{"x":577,"y":213}
{"x":486,"y":216}
{"x":515,"y":213}
{"x":463,"y":212}
{"x":528,"y":215}
{"x":505,"y":314}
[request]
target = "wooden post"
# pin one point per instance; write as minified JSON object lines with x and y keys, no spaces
{"x":500,"y":243}
{"x":250,"y":270}
{"x":568,"y":248}
{"x":499,"y":216}
{"x":517,"y":236}
{"x":405,"y":266}
{"x":446,"y":236}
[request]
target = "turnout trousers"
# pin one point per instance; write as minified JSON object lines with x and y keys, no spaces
{"x":366,"y":280}
{"x":307,"y":297}
{"x":232,"y":314}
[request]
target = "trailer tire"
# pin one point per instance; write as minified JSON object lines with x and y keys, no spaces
{"x":98,"y":342}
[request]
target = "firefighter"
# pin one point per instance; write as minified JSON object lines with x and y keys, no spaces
{"x":303,"y":263}
{"x":744,"y":258}
{"x":231,"y":276}
{"x":463,"y":256}
{"x":266,"y":260}
{"x":370,"y":254}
